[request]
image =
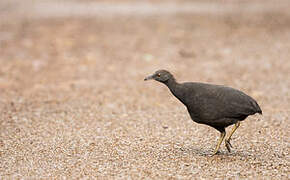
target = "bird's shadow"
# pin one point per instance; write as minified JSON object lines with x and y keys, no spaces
{"x":205,"y":152}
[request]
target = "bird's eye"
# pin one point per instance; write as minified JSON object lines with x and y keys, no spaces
{"x":158,"y":74}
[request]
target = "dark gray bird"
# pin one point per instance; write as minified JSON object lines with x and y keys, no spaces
{"x":214,"y":105}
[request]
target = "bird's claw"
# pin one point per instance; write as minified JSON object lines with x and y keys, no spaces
{"x":215,"y":153}
{"x":228,"y":145}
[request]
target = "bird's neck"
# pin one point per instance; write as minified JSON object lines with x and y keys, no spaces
{"x":173,"y":86}
{"x":176,"y":90}
{"x":171,"y":83}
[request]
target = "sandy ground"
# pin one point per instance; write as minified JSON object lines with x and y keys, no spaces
{"x":74,"y":104}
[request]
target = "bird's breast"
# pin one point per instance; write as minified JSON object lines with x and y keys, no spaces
{"x":195,"y":117}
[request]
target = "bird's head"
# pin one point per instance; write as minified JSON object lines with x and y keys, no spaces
{"x":161,"y":76}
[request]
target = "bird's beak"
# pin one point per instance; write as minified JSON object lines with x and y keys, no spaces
{"x":149,"y":77}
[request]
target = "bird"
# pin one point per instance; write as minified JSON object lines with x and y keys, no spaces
{"x":217,"y":106}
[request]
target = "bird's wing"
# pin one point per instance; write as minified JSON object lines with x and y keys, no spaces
{"x":222,"y":102}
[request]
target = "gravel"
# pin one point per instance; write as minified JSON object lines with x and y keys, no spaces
{"x":74,"y":104}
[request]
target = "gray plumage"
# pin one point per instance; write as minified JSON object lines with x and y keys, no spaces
{"x":214,"y":105}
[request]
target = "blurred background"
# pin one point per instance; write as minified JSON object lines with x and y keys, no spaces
{"x":74,"y":104}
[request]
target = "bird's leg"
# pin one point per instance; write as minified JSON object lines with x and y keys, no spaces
{"x":227,"y":141}
{"x":223,"y":134}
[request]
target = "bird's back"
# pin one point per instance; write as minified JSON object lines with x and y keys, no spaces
{"x":207,"y":102}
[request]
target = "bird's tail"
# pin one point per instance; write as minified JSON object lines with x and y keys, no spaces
{"x":257,"y":107}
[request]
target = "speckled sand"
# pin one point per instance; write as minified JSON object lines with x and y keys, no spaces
{"x":74,"y":104}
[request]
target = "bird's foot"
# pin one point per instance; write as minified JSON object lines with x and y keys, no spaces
{"x":228,"y":144}
{"x":215,"y":152}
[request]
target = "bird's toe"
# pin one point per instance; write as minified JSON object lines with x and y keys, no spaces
{"x":215,"y":152}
